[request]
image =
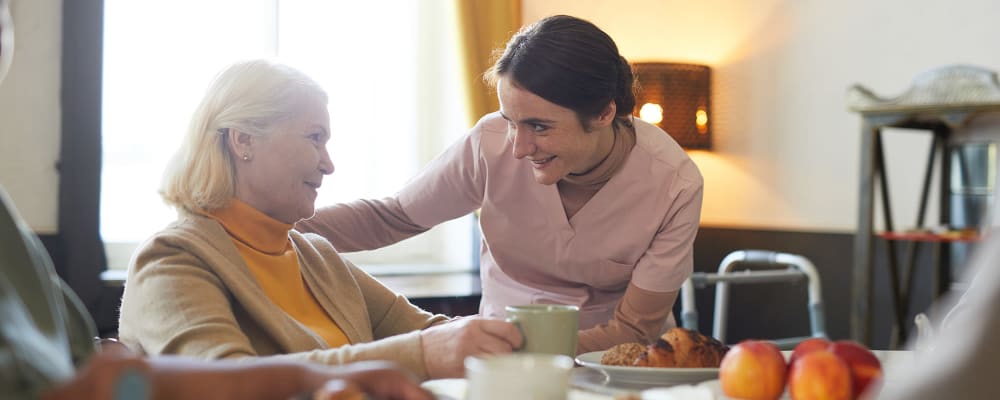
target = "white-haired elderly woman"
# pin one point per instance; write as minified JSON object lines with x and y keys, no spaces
{"x":231,"y":278}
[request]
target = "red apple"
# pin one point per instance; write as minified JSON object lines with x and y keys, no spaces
{"x":807,"y":346}
{"x":820,"y":375}
{"x":864,"y":366}
{"x":753,"y":370}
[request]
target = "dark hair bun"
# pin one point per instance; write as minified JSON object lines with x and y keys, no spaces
{"x":570,"y":62}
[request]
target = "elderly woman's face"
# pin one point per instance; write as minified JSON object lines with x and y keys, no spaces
{"x":286,"y":167}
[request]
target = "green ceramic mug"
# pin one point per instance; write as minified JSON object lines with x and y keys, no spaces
{"x":547,"y":328}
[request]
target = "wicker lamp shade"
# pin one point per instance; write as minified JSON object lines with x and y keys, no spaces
{"x":676,"y":97}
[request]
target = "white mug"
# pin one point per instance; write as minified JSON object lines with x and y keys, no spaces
{"x":518,"y":376}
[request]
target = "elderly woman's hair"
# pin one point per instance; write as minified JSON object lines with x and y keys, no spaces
{"x":250,"y":97}
{"x":569,"y":62}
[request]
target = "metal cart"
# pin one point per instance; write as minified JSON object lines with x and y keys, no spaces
{"x":797,"y":268}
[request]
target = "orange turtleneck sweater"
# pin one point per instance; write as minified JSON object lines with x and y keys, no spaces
{"x":268,"y":253}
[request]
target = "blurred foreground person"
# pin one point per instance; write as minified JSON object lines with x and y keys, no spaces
{"x":46,"y":333}
{"x":961,"y":360}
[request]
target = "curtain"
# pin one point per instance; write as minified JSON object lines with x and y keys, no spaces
{"x":483,"y":25}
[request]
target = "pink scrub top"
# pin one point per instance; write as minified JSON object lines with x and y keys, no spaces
{"x":639,"y":228}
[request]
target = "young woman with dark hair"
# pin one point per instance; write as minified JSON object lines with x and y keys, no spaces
{"x":579,"y":203}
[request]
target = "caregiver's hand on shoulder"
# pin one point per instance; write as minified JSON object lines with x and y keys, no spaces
{"x":445,"y":346}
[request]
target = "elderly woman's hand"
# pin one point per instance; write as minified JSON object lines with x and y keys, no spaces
{"x":445,"y":346}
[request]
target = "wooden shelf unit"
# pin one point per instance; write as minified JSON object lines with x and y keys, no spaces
{"x":939,"y":101}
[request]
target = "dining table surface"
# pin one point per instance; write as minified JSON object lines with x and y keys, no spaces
{"x":587,"y":383}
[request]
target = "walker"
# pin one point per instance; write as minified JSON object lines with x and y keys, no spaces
{"x":797,"y":268}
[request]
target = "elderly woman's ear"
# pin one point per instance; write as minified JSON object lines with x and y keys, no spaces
{"x":240,"y":144}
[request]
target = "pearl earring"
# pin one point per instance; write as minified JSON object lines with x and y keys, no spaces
{"x":246,"y":157}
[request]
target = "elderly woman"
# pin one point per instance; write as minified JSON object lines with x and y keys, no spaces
{"x":231,"y":278}
{"x":46,"y":334}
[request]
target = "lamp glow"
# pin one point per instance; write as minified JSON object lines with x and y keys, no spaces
{"x":651,"y":112}
{"x":701,"y":120}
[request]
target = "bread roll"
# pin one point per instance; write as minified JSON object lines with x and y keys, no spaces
{"x":623,"y":354}
{"x":682,"y":348}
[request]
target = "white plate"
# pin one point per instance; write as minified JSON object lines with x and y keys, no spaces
{"x":646,"y":377}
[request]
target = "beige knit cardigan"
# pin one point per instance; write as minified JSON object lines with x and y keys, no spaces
{"x":188,"y":292}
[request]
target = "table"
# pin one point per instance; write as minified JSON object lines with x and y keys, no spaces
{"x":939,"y":101}
{"x":583,"y":386}
{"x":413,"y":282}
{"x":440,"y":291}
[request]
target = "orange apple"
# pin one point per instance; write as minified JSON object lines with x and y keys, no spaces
{"x":807,"y":346}
{"x":820,"y":375}
{"x":864,"y":366}
{"x":753,"y":370}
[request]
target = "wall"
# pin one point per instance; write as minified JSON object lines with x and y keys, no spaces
{"x":29,"y":137}
{"x":786,"y":150}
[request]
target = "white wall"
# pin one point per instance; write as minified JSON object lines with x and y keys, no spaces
{"x":29,"y":113}
{"x":786,"y":150}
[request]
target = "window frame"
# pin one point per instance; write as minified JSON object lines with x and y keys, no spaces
{"x":454,"y":239}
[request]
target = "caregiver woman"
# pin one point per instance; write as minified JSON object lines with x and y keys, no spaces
{"x":580,"y":203}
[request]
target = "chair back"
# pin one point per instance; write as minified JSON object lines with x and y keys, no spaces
{"x":46,"y":330}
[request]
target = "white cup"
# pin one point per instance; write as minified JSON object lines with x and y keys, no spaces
{"x":518,"y":376}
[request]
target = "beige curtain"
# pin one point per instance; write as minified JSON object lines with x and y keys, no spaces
{"x":483,"y":25}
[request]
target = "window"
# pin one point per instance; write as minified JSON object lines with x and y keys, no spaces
{"x":388,"y":66}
